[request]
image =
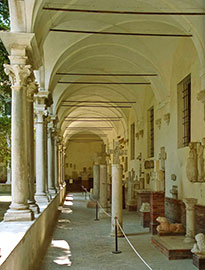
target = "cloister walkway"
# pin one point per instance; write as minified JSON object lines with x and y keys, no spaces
{"x":80,"y":243}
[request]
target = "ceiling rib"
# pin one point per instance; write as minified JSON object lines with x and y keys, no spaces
{"x":111,"y":120}
{"x":108,"y":83}
{"x":108,"y":74}
{"x":125,"y":12}
{"x":93,"y":101}
{"x":119,"y":33}
{"x":94,"y":117}
{"x":95,"y":106}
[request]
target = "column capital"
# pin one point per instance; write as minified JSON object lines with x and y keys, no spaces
{"x":18,"y":74}
{"x":190,"y":203}
{"x":32,"y":89}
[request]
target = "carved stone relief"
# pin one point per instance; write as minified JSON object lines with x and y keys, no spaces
{"x":195,"y":167}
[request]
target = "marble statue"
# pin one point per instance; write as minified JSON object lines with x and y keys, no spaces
{"x":203,"y":144}
{"x":116,"y":153}
{"x":199,"y":247}
{"x":166,"y":227}
{"x":191,"y":167}
{"x":200,"y":153}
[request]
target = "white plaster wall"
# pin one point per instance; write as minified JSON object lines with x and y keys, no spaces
{"x":185,"y":61}
{"x":81,"y":154}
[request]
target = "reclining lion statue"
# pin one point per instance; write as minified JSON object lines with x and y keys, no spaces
{"x":166,"y":227}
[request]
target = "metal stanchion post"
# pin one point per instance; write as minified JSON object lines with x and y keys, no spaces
{"x":96,"y":212}
{"x":116,"y":239}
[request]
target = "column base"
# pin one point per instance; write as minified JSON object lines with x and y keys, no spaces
{"x":189,"y":239}
{"x":18,"y":215}
{"x":119,"y":233}
{"x":41,"y":198}
{"x":102,"y":213}
{"x":34,"y":207}
{"x":52,"y":192}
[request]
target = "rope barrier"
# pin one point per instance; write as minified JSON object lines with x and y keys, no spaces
{"x":103,"y":209}
{"x":118,"y":224}
{"x":137,"y":253}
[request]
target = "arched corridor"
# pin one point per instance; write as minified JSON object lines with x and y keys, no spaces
{"x":107,"y":97}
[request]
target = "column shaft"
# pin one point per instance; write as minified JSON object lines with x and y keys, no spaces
{"x":40,"y":160}
{"x":116,"y":197}
{"x":96,"y":181}
{"x":31,"y":170}
{"x":56,"y":164}
{"x":51,"y":185}
{"x":103,"y":189}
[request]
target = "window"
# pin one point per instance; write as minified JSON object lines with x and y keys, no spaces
{"x":184,"y":112}
{"x":132,"y":150}
{"x":151,"y":132}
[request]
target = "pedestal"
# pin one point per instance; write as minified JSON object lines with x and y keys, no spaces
{"x":145,"y":215}
{"x":190,"y":219}
{"x":116,"y":198}
{"x":199,"y":261}
{"x":143,"y":196}
{"x":157,"y":200}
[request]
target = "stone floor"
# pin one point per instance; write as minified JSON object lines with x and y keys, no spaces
{"x":80,"y":243}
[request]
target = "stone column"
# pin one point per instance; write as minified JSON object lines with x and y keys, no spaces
{"x":31,"y":90}
{"x":47,"y":119}
{"x":56,"y":161}
{"x":116,"y":197}
{"x":18,"y":72}
{"x":190,"y":219}
{"x":40,"y":195}
{"x":51,"y":164}
{"x":59,"y":163}
{"x":63,"y":164}
{"x":96,"y":181}
{"x":103,"y":189}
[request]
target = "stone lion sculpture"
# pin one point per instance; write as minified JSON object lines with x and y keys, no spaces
{"x":199,"y":247}
{"x":166,"y":227}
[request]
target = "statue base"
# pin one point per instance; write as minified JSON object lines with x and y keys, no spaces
{"x":199,"y":261}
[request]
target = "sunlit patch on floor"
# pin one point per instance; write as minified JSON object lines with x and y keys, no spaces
{"x":69,"y":198}
{"x":64,"y":259}
{"x":66,"y":210}
{"x":64,"y":221}
{"x":68,"y":203}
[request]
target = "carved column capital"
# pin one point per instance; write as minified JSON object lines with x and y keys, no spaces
{"x":18,"y":74}
{"x":32,"y":88}
{"x":190,"y":203}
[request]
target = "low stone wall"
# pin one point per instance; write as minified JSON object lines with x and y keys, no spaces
{"x":5,"y":188}
{"x":176,"y":213}
{"x":33,"y":243}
